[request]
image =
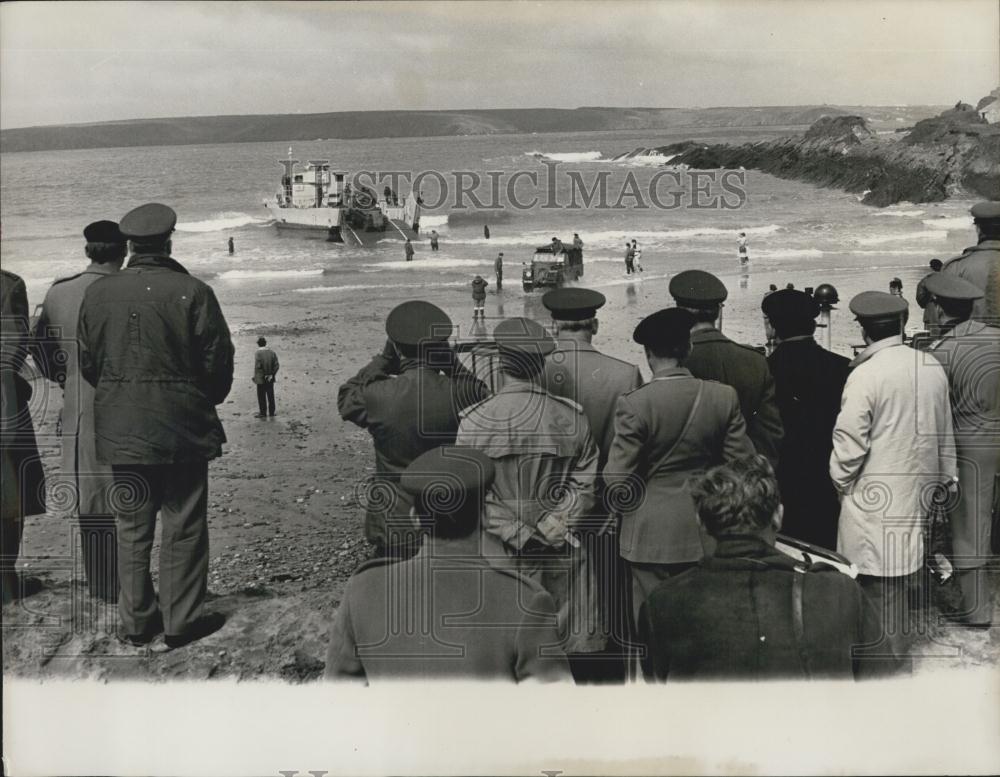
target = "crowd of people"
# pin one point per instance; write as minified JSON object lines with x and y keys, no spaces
{"x":565,"y":520}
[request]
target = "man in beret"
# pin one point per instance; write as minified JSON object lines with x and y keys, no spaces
{"x":57,"y":354}
{"x":408,"y":397}
{"x":808,"y":382}
{"x":543,"y":496}
{"x":715,"y":357}
{"x":892,"y":447}
{"x":969,"y":351}
{"x":156,"y":348}
{"x":674,"y":427}
{"x":578,"y":371}
{"x":980,"y":264}
{"x":472,"y":620}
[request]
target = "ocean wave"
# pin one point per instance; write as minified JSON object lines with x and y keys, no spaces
{"x":220,"y":222}
{"x":432,"y":264}
{"x":608,"y":238}
{"x":374,"y":286}
{"x":900,"y":213}
{"x":789,"y":253}
{"x":568,"y":156}
{"x":433,"y":221}
{"x":229,"y":275}
{"x":950,"y":223}
{"x":927,"y":234}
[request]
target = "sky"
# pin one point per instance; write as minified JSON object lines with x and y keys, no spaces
{"x":92,"y":61}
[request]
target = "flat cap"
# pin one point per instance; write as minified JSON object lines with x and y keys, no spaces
{"x":149,"y":220}
{"x":949,"y":286}
{"x":444,"y":477}
{"x":986,"y":211}
{"x":523,"y":336}
{"x":878,"y":305}
{"x":670,"y":326}
{"x":416,"y":322}
{"x":103,"y":232}
{"x":790,"y":305}
{"x":697,"y":289}
{"x":571,"y":304}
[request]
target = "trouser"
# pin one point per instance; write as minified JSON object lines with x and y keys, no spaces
{"x":10,"y":549}
{"x":478,"y":307}
{"x":499,"y":280}
{"x":892,"y":598}
{"x":977,"y":596}
{"x":265,"y":398}
{"x":179,"y":492}
{"x":99,"y":546}
{"x":629,"y":267}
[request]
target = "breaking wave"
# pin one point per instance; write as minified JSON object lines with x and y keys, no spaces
{"x":950,"y":223}
{"x":243,"y":274}
{"x":433,"y":264}
{"x":900,"y":213}
{"x":433,"y":221}
{"x":374,"y":286}
{"x":219,"y":222}
{"x":927,"y":234}
{"x":568,"y":156}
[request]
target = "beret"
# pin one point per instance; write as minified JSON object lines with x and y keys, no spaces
{"x":443,"y":477}
{"x":665,"y":327}
{"x":149,"y":220}
{"x":875,"y":305}
{"x":790,"y":304}
{"x":986,"y":211}
{"x":103,"y":232}
{"x":697,"y":288}
{"x":416,"y":322}
{"x":949,"y":286}
{"x":523,"y":336}
{"x":573,"y":304}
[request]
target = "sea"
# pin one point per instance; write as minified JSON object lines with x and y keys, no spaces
{"x":798,"y":234}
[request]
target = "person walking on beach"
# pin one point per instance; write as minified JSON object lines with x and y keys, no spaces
{"x":265,"y":367}
{"x":629,"y":254}
{"x":232,"y":247}
{"x":408,"y":250}
{"x":155,"y":346}
{"x":741,"y":245}
{"x":57,"y":353}
{"x":498,"y":269}
{"x":478,"y":297}
{"x":434,"y":240}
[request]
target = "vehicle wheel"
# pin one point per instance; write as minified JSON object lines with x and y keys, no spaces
{"x":526,"y":286}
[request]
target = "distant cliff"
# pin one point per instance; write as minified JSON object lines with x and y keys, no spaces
{"x":954,"y":153}
{"x":397,"y":124}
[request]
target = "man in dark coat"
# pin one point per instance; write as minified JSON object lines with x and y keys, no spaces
{"x":715,"y":357}
{"x":265,"y":367}
{"x":408,"y":397}
{"x":22,"y":480}
{"x":808,"y":383}
{"x":473,"y":619}
{"x":750,"y":612}
{"x":156,"y":347}
{"x":980,"y":264}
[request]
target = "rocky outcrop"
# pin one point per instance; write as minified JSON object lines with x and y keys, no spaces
{"x":955,"y":153}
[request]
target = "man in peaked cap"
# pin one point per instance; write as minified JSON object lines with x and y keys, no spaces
{"x":892,"y":444}
{"x":546,"y":467}
{"x":156,"y":347}
{"x":477,"y":620}
{"x":57,"y":353}
{"x":715,"y":357}
{"x":808,"y":383}
{"x":408,"y":397}
{"x":666,"y":431}
{"x":578,"y":371}
{"x":980,"y":264}
{"x":966,"y":347}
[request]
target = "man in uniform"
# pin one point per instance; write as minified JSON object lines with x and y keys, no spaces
{"x":265,"y":367}
{"x":892,"y":447}
{"x":155,"y":346}
{"x":543,"y":494}
{"x":715,"y":357}
{"x":980,"y":264}
{"x":578,"y":371}
{"x":970,"y":353}
{"x":408,"y":398}
{"x":808,"y":382}
{"x":58,"y":358}
{"x":471,"y":619}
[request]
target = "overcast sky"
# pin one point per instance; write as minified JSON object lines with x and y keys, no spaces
{"x":82,"y":62}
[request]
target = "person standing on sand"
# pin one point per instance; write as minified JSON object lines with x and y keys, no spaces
{"x":486,"y":231}
{"x":478,"y":297}
{"x":741,"y":244}
{"x":265,"y":367}
{"x":498,"y":269}
{"x":408,"y":250}
{"x":232,"y":247}
{"x":628,"y":258}
{"x":636,"y":256}
{"x":155,"y":346}
{"x":434,"y":240}
{"x":923,"y":297}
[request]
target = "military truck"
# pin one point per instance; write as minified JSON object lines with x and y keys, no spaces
{"x":548,"y":270}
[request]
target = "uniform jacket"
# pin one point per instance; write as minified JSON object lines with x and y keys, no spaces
{"x":578,"y":371}
{"x":891,"y":444}
{"x":715,"y":357}
{"x":980,"y":266}
{"x":479,"y":288}
{"x":436,"y":616}
{"x":408,"y":408}
{"x":58,"y":353}
{"x":673,"y":428}
{"x":265,"y":364}
{"x":966,"y":353}
{"x":808,"y":383}
{"x":732,"y":617}
{"x":546,"y":459}
{"x":156,"y":347}
{"x":22,"y":480}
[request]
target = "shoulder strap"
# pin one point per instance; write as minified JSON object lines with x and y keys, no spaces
{"x":798,"y":581}
{"x":687,"y":424}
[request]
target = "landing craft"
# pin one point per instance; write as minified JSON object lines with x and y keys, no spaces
{"x":321,"y":201}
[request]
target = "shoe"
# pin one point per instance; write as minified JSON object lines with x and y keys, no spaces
{"x":260,"y":415}
{"x":205,"y":625}
{"x":153,"y":630}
